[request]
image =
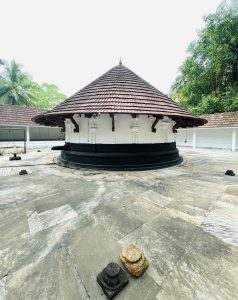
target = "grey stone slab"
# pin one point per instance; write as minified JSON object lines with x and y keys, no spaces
{"x":93,"y":248}
{"x":232,"y":190}
{"x":193,"y":219}
{"x":221,"y":227}
{"x":52,"y":217}
{"x":227,"y":207}
{"x":166,"y":173}
{"x":206,"y":272}
{"x":20,"y":251}
{"x":229,"y":198}
{"x":82,"y":195}
{"x":2,"y":288}
{"x":116,"y":200}
{"x":49,"y":278}
{"x":11,"y":195}
{"x":188,"y":262}
{"x":141,"y":288}
{"x":174,"y":229}
{"x":119,"y":222}
{"x":26,"y":189}
{"x":157,"y":198}
{"x":144,"y":209}
{"x":17,"y":252}
{"x":190,"y":208}
{"x":191,"y":191}
{"x":8,"y":220}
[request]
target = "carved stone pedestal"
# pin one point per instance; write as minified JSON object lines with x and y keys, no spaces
{"x":134,"y":260}
{"x":112,"y":280}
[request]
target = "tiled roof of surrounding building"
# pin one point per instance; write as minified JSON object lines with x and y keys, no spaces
{"x":225,"y":119}
{"x":18,"y":115}
{"x":120,"y":91}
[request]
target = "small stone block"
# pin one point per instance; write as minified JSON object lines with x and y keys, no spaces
{"x":134,"y":260}
{"x":23,"y":172}
{"x":230,"y":173}
{"x":112,"y":280}
{"x":15,"y":157}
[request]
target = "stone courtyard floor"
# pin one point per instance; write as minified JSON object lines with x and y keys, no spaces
{"x":60,"y":227}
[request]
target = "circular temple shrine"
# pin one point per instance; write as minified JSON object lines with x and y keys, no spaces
{"x":119,"y":121}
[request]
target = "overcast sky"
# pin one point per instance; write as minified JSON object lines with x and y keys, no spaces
{"x":72,"y":42}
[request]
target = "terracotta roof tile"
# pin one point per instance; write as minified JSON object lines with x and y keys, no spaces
{"x":226,"y":119}
{"x":18,"y":115}
{"x":120,"y":91}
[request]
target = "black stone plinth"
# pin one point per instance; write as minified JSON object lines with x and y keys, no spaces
{"x":119,"y":156}
{"x":15,"y":157}
{"x":112,"y":280}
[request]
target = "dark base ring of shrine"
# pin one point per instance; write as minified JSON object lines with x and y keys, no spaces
{"x":119,"y":156}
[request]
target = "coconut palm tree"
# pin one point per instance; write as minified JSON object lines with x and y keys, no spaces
{"x":15,"y":84}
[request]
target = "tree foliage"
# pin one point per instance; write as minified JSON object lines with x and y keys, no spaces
{"x":208,"y":79}
{"x":47,"y":95}
{"x":15,"y":85}
{"x":17,"y":88}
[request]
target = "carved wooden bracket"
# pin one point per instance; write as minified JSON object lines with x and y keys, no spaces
{"x":176,"y":125}
{"x":181,"y":123}
{"x":134,"y":116}
{"x":63,"y":127}
{"x":88,"y":115}
{"x":113,"y":121}
{"x":76,"y":126}
{"x":153,"y":129}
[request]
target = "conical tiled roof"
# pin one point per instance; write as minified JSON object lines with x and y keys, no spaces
{"x":120,"y":91}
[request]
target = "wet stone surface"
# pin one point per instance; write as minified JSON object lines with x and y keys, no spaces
{"x":60,"y":227}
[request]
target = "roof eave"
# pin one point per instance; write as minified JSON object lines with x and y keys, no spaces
{"x":56,"y":119}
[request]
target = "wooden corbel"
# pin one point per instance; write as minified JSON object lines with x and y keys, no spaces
{"x":113,"y":121}
{"x":76,"y":126}
{"x":60,"y":123}
{"x":63,"y":127}
{"x":153,"y":129}
{"x":176,"y":125}
{"x":88,"y":115}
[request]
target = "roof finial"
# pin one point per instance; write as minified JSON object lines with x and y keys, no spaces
{"x":120,"y":62}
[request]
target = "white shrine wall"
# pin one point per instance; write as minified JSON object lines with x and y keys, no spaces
{"x":128,"y":130}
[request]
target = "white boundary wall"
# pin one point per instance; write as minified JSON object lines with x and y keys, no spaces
{"x":220,"y":138}
{"x":33,"y":133}
{"x":128,"y":130}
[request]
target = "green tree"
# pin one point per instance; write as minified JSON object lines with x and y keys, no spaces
{"x":47,"y":95}
{"x":208,"y":79}
{"x":15,"y":85}
{"x":17,"y":88}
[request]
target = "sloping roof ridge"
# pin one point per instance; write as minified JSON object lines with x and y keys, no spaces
{"x":119,"y":66}
{"x":147,"y":83}
{"x":106,"y":73}
{"x":97,"y":79}
{"x":78,"y":92}
{"x":221,"y":113}
{"x":104,"y":95}
{"x":156,"y":90}
{"x":22,"y":107}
